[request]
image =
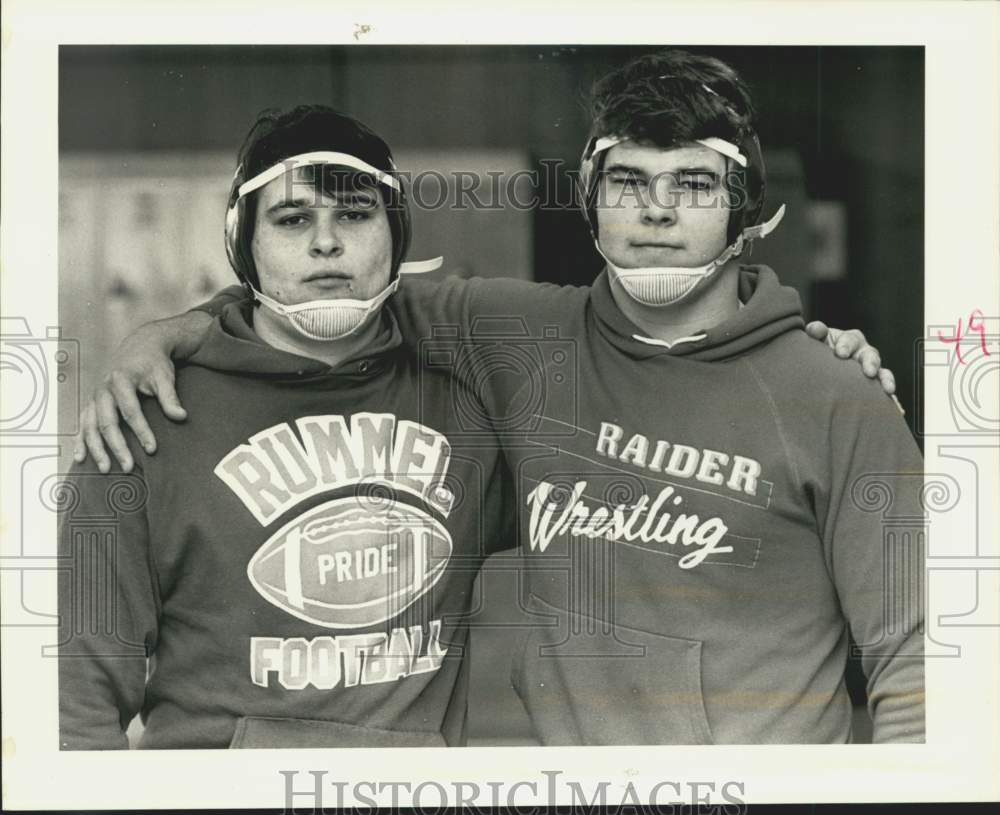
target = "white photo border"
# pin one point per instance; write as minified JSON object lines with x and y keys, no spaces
{"x":962,"y":228}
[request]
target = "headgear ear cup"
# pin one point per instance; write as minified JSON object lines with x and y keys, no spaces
{"x":233,"y":221}
{"x":751,"y":182}
{"x":590,"y":168}
{"x":237,"y":248}
{"x":398,"y":211}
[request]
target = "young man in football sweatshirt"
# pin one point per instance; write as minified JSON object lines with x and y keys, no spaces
{"x":297,"y":560}
{"x":695,"y":507}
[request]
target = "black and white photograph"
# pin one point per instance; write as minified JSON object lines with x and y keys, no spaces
{"x":513,"y":397}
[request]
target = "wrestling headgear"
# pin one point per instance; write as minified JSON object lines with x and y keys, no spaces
{"x":316,"y":136}
{"x":642,"y":103}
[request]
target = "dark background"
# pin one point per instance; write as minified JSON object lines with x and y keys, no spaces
{"x":841,"y":124}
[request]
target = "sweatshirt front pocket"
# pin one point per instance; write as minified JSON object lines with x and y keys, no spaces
{"x":584,"y":681}
{"x":266,"y":731}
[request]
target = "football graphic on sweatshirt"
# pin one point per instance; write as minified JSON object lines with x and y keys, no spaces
{"x":359,"y":559}
{"x":348,"y":565}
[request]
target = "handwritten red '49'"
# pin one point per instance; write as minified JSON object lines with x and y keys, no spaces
{"x":979,"y":328}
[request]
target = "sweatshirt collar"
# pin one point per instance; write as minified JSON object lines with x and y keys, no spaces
{"x":769,"y":309}
{"x":232,"y":345}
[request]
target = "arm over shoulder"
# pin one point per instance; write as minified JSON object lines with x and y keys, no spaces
{"x":474,"y":317}
{"x":221,"y":299}
{"x":423,"y":306}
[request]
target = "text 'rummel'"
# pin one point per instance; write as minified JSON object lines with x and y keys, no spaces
{"x":276,"y":470}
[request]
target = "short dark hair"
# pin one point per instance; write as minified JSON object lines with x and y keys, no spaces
{"x":672,"y":97}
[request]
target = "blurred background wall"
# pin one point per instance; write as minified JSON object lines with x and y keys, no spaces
{"x":148,"y":137}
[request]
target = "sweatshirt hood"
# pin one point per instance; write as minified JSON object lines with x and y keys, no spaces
{"x":231,"y":345}
{"x":769,"y":309}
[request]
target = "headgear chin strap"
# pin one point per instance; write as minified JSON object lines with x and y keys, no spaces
{"x":668,"y":285}
{"x":326,"y":320}
{"x":322,"y":320}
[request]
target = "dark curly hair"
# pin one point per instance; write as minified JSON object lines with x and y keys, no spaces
{"x":670,"y":98}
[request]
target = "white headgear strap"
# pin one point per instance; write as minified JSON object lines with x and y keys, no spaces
{"x":727,"y":148}
{"x":318,"y":157}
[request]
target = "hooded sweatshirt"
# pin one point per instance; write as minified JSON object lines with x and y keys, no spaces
{"x":292,"y":568}
{"x":702,"y":523}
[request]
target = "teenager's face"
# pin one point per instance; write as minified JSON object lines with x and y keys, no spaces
{"x":308,"y":245}
{"x":661,"y":207}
